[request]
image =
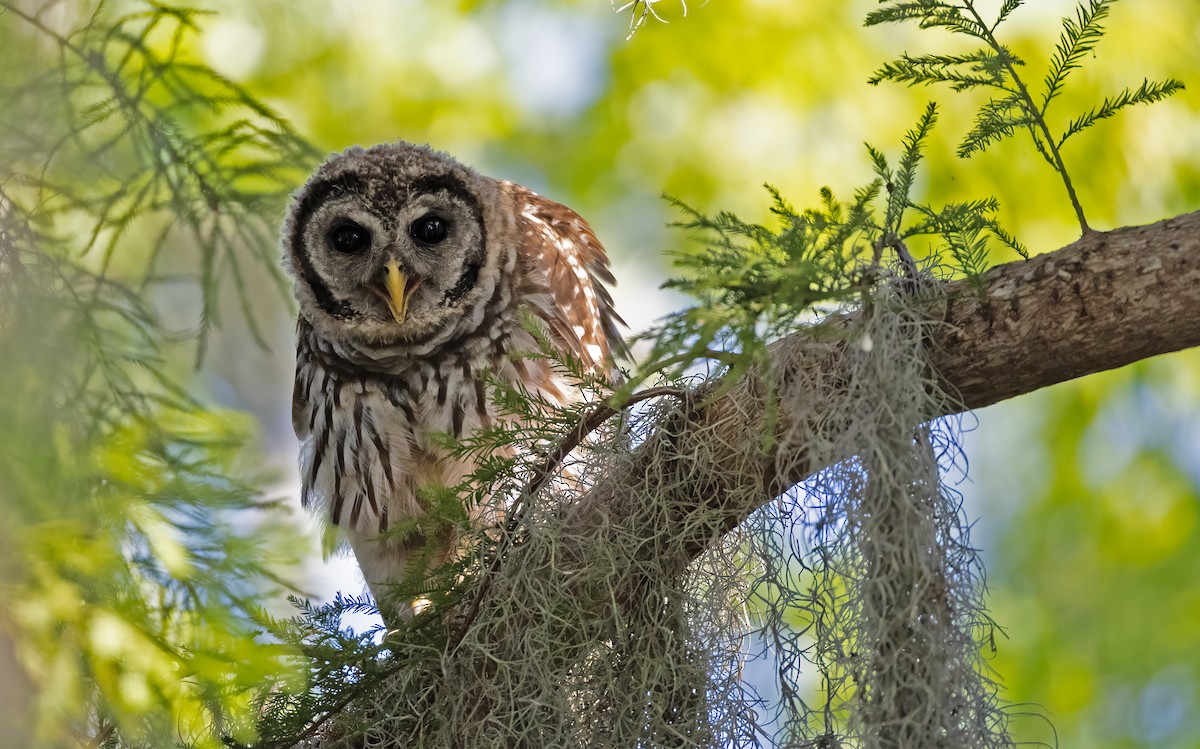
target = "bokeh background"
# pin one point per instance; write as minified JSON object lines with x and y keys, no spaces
{"x":1086,"y":495}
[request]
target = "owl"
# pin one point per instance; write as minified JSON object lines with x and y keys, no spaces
{"x":411,"y":271}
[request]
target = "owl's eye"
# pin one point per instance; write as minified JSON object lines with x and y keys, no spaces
{"x":350,"y":238}
{"x":429,"y":229}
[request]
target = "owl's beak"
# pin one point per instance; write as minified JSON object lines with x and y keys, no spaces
{"x":395,"y":284}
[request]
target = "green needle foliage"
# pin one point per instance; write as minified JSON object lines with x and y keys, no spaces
{"x":134,"y":544}
{"x":754,"y":284}
{"x":1013,"y":106}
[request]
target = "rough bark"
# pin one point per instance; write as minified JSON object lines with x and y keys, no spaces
{"x":1104,"y":301}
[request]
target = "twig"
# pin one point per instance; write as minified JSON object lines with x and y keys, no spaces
{"x":103,"y":735}
{"x":1054,"y":156}
{"x":341,"y":704}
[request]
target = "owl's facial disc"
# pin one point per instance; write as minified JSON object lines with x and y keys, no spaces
{"x":389,"y":247}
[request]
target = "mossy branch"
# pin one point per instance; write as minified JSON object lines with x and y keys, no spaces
{"x":1105,"y":301}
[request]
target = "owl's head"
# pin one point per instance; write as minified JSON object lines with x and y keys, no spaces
{"x":388,"y":245}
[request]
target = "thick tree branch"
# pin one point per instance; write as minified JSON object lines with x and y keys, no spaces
{"x":1107,"y":300}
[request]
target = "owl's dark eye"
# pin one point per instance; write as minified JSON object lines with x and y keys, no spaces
{"x":350,"y":238}
{"x":430,"y":229}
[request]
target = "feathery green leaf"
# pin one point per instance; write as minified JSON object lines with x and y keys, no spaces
{"x":982,"y":68}
{"x":1080,"y":35}
{"x":1148,"y":93}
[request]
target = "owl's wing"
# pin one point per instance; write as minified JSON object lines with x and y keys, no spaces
{"x":562,"y":252}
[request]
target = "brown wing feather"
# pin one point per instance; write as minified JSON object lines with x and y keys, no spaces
{"x":558,"y":243}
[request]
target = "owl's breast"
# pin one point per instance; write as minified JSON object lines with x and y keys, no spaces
{"x":371,"y":440}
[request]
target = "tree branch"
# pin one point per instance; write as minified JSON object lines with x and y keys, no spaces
{"x":1107,"y":300}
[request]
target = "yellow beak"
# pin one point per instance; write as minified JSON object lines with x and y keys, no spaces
{"x":396,"y":283}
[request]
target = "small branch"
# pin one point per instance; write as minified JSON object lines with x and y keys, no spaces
{"x":351,"y":695}
{"x":591,"y":421}
{"x":103,"y":735}
{"x":1054,"y":156}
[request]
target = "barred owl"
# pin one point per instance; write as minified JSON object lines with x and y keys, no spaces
{"x":410,"y":270}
